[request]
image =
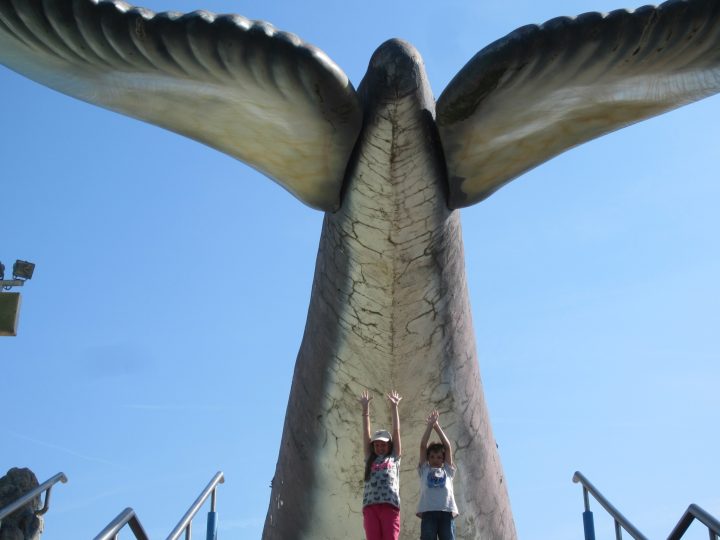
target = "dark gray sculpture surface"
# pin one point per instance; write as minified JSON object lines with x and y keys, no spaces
{"x":389,"y":304}
{"x":23,"y":524}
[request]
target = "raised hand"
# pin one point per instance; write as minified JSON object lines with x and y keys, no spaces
{"x":432,"y":418}
{"x":394,"y":398}
{"x":365,"y":399}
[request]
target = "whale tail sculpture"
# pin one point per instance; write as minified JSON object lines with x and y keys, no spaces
{"x":389,"y":167}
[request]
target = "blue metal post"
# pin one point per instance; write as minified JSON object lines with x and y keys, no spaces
{"x":212,"y":526}
{"x":589,"y":525}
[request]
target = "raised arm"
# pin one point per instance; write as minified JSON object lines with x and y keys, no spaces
{"x":394,"y":399}
{"x":445,"y":442}
{"x":364,"y":400}
{"x":431,"y":419}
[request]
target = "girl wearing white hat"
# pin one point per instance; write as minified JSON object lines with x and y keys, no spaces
{"x":381,"y":497}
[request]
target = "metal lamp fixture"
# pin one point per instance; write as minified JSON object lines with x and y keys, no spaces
{"x":23,"y":270}
{"x":10,"y":301}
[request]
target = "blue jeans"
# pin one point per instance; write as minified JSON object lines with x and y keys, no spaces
{"x":437,"y":526}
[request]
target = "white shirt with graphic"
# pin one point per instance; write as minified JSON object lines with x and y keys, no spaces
{"x":436,"y":489}
{"x":384,"y":483}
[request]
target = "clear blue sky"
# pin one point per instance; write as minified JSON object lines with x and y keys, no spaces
{"x":158,"y":336}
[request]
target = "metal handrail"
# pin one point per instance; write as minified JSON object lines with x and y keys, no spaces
{"x":620,"y":520}
{"x":185,"y":523}
{"x":30,"y":495}
{"x":692,"y":513}
{"x":126,"y":517}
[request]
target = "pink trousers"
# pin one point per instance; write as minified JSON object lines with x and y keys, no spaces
{"x":381,"y":522}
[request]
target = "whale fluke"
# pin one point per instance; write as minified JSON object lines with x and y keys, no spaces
{"x":240,"y":86}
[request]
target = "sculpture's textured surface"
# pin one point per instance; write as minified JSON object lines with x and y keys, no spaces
{"x":389,"y":309}
{"x":544,"y":89}
{"x":237,"y":85}
{"x":23,"y":524}
{"x":389,"y":303}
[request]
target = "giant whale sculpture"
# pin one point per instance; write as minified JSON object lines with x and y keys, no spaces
{"x":390,"y":168}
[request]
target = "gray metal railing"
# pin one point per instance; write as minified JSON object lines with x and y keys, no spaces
{"x":185,"y":524}
{"x":30,"y":495}
{"x":691,"y":514}
{"x":621,"y":522}
{"x":126,"y":517}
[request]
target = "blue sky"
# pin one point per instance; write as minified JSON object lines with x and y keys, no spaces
{"x":158,"y":336}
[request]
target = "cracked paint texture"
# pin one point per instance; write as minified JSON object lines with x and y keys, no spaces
{"x":389,"y":309}
{"x":389,"y":304}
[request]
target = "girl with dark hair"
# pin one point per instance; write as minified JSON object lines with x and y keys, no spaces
{"x":381,"y":497}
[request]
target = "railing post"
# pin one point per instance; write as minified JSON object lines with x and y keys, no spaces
{"x":186,"y":521}
{"x":212,"y":526}
{"x":589,"y":525}
{"x":212,"y":519}
{"x":621,"y":521}
{"x":588,"y":522}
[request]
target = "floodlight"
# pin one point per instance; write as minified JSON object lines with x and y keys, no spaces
{"x":23,"y":269}
{"x":10,"y":302}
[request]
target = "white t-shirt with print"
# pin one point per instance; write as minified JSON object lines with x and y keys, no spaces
{"x":384,"y":483}
{"x":436,"y":489}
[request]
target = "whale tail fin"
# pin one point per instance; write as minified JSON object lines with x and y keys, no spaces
{"x":263,"y":96}
{"x":542,"y":90}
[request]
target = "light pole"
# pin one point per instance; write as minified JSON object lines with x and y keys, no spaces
{"x":10,"y":301}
